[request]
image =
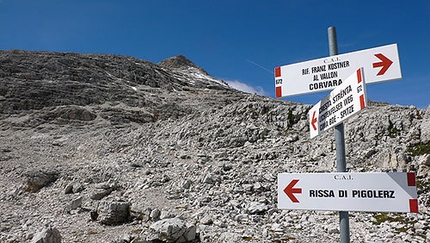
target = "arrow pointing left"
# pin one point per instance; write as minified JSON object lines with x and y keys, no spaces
{"x":313,"y":121}
{"x":290,"y":191}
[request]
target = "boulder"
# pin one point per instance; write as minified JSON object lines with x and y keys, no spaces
{"x":113,"y":212}
{"x":172,"y":230}
{"x":47,"y":235}
{"x":37,"y":179}
{"x":74,"y":204}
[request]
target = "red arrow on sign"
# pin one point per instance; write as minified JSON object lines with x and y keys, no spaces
{"x":313,"y":121}
{"x":385,"y":64}
{"x":289,"y":190}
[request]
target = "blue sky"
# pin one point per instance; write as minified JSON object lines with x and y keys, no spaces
{"x":237,"y":41}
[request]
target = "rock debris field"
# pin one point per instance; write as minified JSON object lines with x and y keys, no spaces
{"x":106,"y":148}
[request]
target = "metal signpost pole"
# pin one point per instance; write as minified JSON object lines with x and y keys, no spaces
{"x":340,"y":146}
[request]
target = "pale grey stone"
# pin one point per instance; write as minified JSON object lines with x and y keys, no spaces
{"x":425,"y":127}
{"x":206,"y":220}
{"x":112,"y":212}
{"x":171,"y":230}
{"x":155,"y":214}
{"x":186,"y":184}
{"x":74,"y":204}
{"x":229,"y":237}
{"x":165,"y":214}
{"x":77,"y":187}
{"x":39,"y":178}
{"x":47,"y":235}
{"x":257,"y":207}
{"x":141,"y":132}
{"x":100,"y":193}
{"x":333,"y":230}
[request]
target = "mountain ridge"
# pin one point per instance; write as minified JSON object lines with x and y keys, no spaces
{"x":172,"y":147}
{"x":37,"y":80}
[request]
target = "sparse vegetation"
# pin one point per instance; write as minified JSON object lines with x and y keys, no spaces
{"x":419,"y":149}
{"x":423,"y":185}
{"x":392,"y":130}
{"x":290,"y":118}
{"x":394,"y":217}
{"x":174,"y":148}
{"x":386,"y":217}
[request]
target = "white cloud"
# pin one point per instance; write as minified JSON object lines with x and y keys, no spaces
{"x":245,"y":87}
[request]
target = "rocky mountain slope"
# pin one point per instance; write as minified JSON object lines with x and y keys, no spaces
{"x":105,"y":148}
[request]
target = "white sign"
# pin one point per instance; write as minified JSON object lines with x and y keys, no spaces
{"x":367,"y":192}
{"x":380,"y":64}
{"x":344,"y":101}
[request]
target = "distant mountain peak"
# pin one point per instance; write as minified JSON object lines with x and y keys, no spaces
{"x":180,"y":62}
{"x":177,"y":62}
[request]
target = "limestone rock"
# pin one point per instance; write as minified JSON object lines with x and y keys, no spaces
{"x":256,"y":207}
{"x":155,"y":214}
{"x":74,"y":188}
{"x":425,"y":127}
{"x":98,"y":194}
{"x":172,"y":141}
{"x":172,"y":230}
{"x":113,"y":212}
{"x":230,"y":237}
{"x":47,"y":235}
{"x":206,"y":220}
{"x":74,"y":204}
{"x":36,"y":179}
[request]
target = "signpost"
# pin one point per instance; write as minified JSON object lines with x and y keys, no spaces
{"x":367,"y":192}
{"x":343,"y":192}
{"x":339,"y":135}
{"x":344,"y":101}
{"x":380,"y":64}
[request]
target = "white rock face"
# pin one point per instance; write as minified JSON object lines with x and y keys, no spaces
{"x":47,"y":235}
{"x":180,"y":157}
{"x":425,"y":127}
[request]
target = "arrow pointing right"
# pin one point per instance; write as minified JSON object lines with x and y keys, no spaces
{"x":385,"y":63}
{"x":289,"y":190}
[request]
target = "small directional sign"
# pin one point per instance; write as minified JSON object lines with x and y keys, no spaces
{"x":367,"y":192}
{"x":380,"y":63}
{"x":344,"y":101}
